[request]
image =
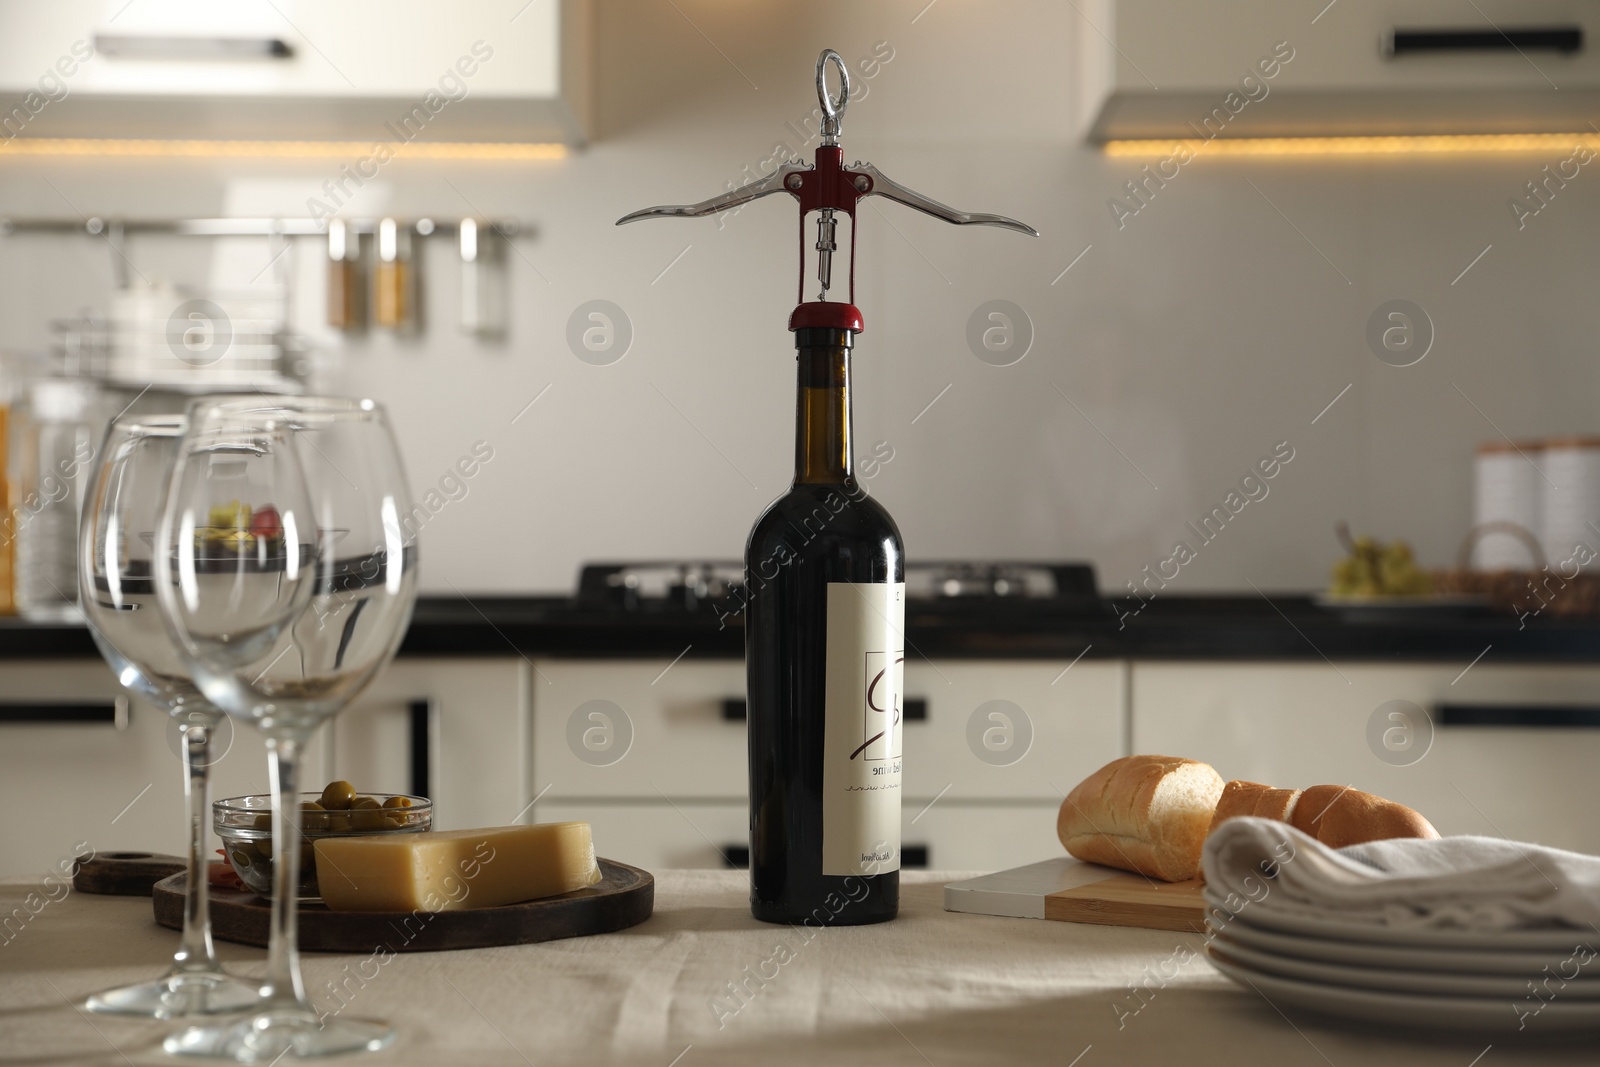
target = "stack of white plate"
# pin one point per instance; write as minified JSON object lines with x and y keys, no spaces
{"x":1529,"y":981}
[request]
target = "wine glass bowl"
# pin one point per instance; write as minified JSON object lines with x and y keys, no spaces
{"x":286,"y":573}
{"x":120,"y":515}
{"x":297,"y":624}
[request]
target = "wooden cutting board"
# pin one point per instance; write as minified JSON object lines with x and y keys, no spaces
{"x":624,"y":897}
{"x":1069,"y":890}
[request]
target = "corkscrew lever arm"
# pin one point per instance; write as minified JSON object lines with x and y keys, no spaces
{"x":884,"y":186}
{"x":772,"y":183}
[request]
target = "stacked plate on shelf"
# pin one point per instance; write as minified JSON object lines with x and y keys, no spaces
{"x":1536,"y":982}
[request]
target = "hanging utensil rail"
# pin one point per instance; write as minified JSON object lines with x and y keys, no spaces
{"x":96,"y":225}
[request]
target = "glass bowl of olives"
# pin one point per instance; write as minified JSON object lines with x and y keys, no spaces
{"x":245,"y":826}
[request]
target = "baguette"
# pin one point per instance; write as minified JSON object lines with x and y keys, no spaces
{"x":1279,"y":804}
{"x":1338,"y":816}
{"x":1238,"y":797}
{"x":1148,"y":814}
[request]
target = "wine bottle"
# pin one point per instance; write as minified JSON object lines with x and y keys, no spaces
{"x":824,"y":655}
{"x":824,"y":596}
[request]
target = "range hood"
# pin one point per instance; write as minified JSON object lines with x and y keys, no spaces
{"x":1153,"y":69}
{"x":301,"y":70}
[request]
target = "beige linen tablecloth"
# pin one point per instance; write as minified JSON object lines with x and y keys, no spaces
{"x":932,"y":988}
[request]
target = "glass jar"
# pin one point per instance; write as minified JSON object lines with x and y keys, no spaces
{"x":54,"y":434}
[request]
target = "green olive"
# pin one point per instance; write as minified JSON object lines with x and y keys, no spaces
{"x":264,"y":847}
{"x":262,"y":821}
{"x":397,"y":802}
{"x":241,"y":859}
{"x":366,"y":814}
{"x":338,"y":796}
{"x":313,"y":820}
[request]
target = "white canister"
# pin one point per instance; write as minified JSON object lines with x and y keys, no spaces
{"x":1508,"y":487}
{"x":1570,"y":530}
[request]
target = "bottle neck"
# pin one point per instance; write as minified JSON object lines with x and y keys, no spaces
{"x":822,"y":409}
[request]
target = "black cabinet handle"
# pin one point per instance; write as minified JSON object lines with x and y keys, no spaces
{"x":113,"y":712}
{"x":421,"y":729}
{"x":1563,"y":39}
{"x":736,"y":709}
{"x":1516,"y":715}
{"x":173,"y":47}
{"x":737,"y":857}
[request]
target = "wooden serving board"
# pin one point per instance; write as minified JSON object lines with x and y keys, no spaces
{"x":1069,"y":890}
{"x":624,"y":897}
{"x":126,"y":874}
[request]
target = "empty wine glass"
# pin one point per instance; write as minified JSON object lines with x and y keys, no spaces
{"x":287,"y":573}
{"x":120,"y":515}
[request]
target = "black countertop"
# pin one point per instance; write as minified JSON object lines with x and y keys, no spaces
{"x":1230,"y":628}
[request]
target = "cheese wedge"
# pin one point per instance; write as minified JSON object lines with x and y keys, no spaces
{"x":453,"y":870}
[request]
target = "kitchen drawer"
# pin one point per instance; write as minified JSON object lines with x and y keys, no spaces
{"x":993,"y":729}
{"x":1001,"y":729}
{"x":953,"y":836}
{"x":1304,"y":724}
{"x":62,"y":782}
{"x":623,"y":728}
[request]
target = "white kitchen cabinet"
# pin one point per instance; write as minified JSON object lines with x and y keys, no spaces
{"x":121,"y":789}
{"x":997,"y":741}
{"x":1261,"y":68}
{"x":1295,"y":725}
{"x":496,"y":70}
{"x":470,"y":718}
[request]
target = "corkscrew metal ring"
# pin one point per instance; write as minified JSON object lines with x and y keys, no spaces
{"x":832,"y":110}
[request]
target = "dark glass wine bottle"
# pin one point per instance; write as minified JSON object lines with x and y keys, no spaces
{"x":824,"y":655}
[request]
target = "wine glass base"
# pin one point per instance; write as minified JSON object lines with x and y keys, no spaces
{"x":184,"y":993}
{"x":287,"y":1033}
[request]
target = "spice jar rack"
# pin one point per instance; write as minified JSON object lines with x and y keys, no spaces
{"x":392,"y":301}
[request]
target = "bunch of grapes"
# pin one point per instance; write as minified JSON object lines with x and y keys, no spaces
{"x":1375,"y":569}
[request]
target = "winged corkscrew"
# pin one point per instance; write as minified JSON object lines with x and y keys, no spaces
{"x":827,"y":186}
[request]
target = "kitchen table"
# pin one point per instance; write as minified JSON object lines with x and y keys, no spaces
{"x":703,"y":983}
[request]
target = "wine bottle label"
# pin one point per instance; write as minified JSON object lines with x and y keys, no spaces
{"x":862,"y":728}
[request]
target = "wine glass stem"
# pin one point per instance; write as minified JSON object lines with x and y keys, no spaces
{"x":284,"y":987}
{"x":196,"y":953}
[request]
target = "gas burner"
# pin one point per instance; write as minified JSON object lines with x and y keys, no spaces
{"x":658,"y":586}
{"x":986,"y":580}
{"x":679,"y":587}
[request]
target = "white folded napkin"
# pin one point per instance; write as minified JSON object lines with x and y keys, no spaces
{"x":1475,"y":883}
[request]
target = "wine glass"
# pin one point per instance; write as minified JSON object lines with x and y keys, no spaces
{"x":120,"y":515}
{"x":287,"y":574}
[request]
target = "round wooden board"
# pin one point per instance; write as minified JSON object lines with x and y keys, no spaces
{"x":624,"y":897}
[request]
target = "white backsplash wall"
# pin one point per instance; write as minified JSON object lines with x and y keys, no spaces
{"x":1175,"y":353}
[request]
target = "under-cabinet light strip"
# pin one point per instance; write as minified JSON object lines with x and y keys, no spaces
{"x":201,"y":148}
{"x":1431,"y":144}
